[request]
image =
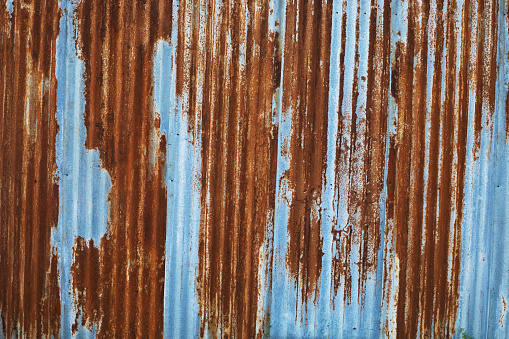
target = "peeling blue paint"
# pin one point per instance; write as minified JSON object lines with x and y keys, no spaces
{"x":83,"y":184}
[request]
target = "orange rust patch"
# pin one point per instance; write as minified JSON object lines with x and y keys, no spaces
{"x":29,"y":278}
{"x":117,"y":40}
{"x":504,"y":308}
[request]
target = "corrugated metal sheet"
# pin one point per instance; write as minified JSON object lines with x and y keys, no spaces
{"x":291,"y":169}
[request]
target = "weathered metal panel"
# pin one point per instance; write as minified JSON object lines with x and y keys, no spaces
{"x":293,"y":169}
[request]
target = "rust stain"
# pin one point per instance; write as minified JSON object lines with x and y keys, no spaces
{"x":485,"y":68}
{"x":360,"y":151}
{"x":504,"y":308}
{"x":306,"y":94}
{"x":228,"y":73}
{"x":411,"y":60}
{"x":117,"y":40}
{"x":375,"y":139}
{"x":239,"y":154}
{"x":29,"y":279}
{"x":445,"y":289}
{"x":86,"y":287}
{"x":427,"y":301}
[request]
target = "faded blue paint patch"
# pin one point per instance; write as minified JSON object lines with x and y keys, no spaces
{"x":497,"y":318}
{"x":484,"y":279}
{"x":183,"y":165}
{"x":325,"y":300}
{"x":83,"y":184}
{"x":280,"y":316}
{"x":8,"y":3}
{"x":476,"y":229}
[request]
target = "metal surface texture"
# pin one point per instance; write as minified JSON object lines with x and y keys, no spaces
{"x":238,"y":169}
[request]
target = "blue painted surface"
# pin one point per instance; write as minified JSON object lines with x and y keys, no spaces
{"x":9,"y":5}
{"x":83,"y":184}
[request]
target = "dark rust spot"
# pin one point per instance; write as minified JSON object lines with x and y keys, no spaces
{"x":396,"y":71}
{"x":277,"y":60}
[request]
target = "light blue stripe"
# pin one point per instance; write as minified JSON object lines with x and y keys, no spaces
{"x":83,"y":184}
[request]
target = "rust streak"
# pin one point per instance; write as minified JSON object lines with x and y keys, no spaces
{"x":86,"y":287}
{"x":504,"y":309}
{"x":117,"y":40}
{"x":360,"y":154}
{"x":485,"y":65}
{"x":306,"y":92}
{"x":444,"y":313}
{"x":29,"y":279}
{"x":374,"y":155}
{"x":428,"y":235}
{"x":419,"y":34}
{"x":239,"y":154}
{"x":430,"y":214}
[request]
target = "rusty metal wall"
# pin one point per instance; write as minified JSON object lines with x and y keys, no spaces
{"x":277,"y":168}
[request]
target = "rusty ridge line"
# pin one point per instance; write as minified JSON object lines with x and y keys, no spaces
{"x":119,"y":282}
{"x":305,"y":94}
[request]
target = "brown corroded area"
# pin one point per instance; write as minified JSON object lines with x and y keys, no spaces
{"x":306,"y":96}
{"x":85,"y":283}
{"x":117,"y":40}
{"x":427,"y":211}
{"x":239,"y":154}
{"x":29,"y":286}
{"x":360,"y":152}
